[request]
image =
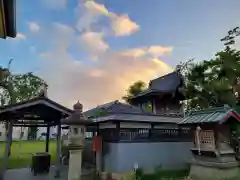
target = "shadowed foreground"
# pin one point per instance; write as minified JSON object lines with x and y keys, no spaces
{"x":25,"y":173}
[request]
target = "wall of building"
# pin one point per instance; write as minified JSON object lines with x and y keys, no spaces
{"x":121,"y":157}
{"x":167,"y":105}
{"x":17,"y":131}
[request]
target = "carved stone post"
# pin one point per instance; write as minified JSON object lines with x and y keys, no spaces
{"x":75,"y":149}
{"x":77,"y":123}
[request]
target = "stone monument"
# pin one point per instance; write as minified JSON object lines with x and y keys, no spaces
{"x":77,"y":125}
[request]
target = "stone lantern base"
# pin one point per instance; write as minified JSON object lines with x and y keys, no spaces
{"x":75,"y":164}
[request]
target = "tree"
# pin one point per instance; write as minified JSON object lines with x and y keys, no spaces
{"x":230,"y":39}
{"x":18,"y":87}
{"x":211,"y":83}
{"x":135,"y":89}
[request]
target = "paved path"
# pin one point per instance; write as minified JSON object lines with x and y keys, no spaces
{"x":25,"y":174}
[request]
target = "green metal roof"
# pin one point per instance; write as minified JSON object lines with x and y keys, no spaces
{"x":211,"y":115}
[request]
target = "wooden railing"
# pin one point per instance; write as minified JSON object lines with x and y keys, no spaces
{"x":144,"y":134}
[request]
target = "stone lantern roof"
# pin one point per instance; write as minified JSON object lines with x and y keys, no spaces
{"x":77,"y":118}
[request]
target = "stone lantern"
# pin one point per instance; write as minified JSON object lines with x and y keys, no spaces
{"x":77,"y":128}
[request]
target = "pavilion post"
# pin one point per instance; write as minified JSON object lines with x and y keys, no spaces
{"x":58,"y":158}
{"x":47,"y":139}
{"x":7,"y":149}
{"x":99,"y":152}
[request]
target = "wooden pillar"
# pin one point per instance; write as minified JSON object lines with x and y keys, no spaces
{"x":99,"y":153}
{"x":118,"y":131}
{"x":7,"y":149}
{"x":47,"y":139}
{"x":58,"y":158}
{"x":150,"y":131}
{"x":154,"y":107}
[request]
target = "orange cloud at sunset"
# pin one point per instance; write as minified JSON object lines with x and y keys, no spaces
{"x":96,"y":82}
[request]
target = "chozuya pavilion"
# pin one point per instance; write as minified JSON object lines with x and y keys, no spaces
{"x":216,"y":143}
{"x":43,"y":112}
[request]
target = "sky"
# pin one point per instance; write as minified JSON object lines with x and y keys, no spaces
{"x":92,"y":51}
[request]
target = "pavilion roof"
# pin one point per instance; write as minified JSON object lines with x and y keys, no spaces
{"x":211,"y":115}
{"x":39,"y":108}
{"x":138,"y":118}
{"x":115,"y":107}
{"x":117,"y":111}
{"x":166,"y":84}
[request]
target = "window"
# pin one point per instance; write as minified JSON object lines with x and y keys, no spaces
{"x":0,"y":133}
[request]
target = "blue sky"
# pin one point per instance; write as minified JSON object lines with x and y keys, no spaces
{"x":191,"y":28}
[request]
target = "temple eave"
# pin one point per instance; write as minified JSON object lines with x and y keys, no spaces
{"x":148,"y":96}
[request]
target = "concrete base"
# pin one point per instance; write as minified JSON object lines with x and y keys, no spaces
{"x":75,"y":164}
{"x":210,"y":171}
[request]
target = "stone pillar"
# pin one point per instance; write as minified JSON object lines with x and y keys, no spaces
{"x":77,"y":123}
{"x":75,"y":164}
{"x":75,"y":153}
{"x":76,"y":143}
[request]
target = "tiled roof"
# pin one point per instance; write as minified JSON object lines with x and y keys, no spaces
{"x":164,"y":84}
{"x":168,"y":82}
{"x":116,"y":107}
{"x":211,"y":115}
{"x":139,"y":118}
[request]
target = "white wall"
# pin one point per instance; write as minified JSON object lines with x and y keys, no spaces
{"x":121,"y":157}
{"x":16,"y":132}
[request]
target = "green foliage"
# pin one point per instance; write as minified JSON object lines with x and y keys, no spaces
{"x":148,"y":107}
{"x":230,"y":39}
{"x":33,"y":133}
{"x":19,"y":87}
{"x":27,"y":86}
{"x":208,"y":83}
{"x":24,"y":158}
{"x":138,"y":174}
{"x":135,"y":89}
{"x":99,"y":113}
{"x":211,"y":83}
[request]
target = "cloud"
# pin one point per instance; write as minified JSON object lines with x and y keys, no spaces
{"x":73,"y":78}
{"x":63,"y":36}
{"x":93,"y":42}
{"x":120,"y":25}
{"x":123,"y":25}
{"x":154,"y":51}
{"x":95,"y":85}
{"x":20,"y":36}
{"x":89,"y":12}
{"x":158,"y":51}
{"x":95,"y":8}
{"x":33,"y":27}
{"x":55,"y":4}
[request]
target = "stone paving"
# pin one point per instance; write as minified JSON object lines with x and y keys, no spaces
{"x":26,"y":174}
